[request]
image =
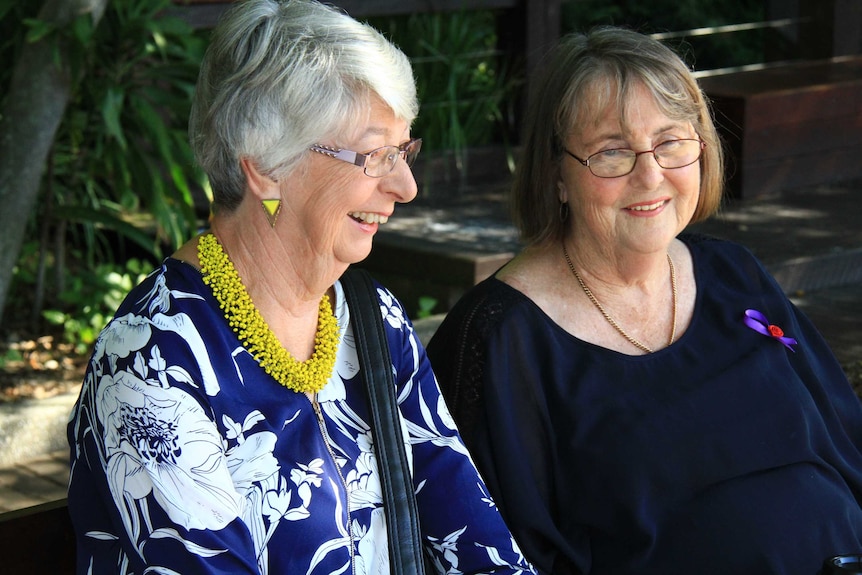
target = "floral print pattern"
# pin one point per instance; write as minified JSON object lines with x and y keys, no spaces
{"x":188,"y":457}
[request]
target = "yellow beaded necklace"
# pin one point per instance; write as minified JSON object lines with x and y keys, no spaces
{"x":300,"y":376}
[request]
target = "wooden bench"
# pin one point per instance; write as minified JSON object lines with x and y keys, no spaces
{"x":413,"y":268}
{"x":37,"y":540}
{"x":440,"y":249}
{"x":793,"y":125}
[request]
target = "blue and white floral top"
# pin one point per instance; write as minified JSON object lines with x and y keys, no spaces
{"x":188,"y":458}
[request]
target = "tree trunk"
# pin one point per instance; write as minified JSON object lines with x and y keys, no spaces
{"x":35,"y":104}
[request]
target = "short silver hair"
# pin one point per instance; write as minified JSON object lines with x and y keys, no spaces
{"x":279,"y":76}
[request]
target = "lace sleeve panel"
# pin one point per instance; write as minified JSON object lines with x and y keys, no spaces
{"x":459,"y":355}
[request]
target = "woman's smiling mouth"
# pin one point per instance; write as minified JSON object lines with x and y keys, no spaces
{"x":369,"y":218}
{"x":648,"y":207}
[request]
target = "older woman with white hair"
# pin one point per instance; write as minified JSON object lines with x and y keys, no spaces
{"x":223,"y":425}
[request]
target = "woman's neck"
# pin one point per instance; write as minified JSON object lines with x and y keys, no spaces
{"x":615,"y":268}
{"x":285,"y":288}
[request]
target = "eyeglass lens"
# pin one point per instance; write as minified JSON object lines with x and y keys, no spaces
{"x":668,"y":155}
{"x":382,"y":160}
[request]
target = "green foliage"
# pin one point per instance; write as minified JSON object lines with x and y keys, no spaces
{"x":23,"y":287}
{"x":88,"y":301}
{"x":122,"y":145}
{"x":10,"y":356}
{"x":92,"y":298}
{"x":465,"y":86}
{"x":426,"y":307}
{"x":120,"y":174}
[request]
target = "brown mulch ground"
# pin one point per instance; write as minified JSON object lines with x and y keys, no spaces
{"x":40,"y":368}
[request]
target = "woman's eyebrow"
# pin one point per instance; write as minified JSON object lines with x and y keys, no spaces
{"x":601,"y":138}
{"x":621,"y":136}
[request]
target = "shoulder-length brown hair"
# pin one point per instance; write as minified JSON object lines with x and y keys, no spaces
{"x":589,"y":71}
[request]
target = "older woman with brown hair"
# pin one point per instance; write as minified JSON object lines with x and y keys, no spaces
{"x":642,"y":400}
{"x":224,"y":424}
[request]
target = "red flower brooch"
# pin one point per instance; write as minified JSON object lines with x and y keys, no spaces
{"x":758,"y":322}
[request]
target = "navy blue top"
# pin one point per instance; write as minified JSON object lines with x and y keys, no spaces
{"x":189,"y":458}
{"x":725,"y":453}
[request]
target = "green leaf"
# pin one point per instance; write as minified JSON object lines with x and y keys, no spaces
{"x":173,"y":26}
{"x":426,"y":306}
{"x":82,"y":28}
{"x":112,"y":107}
{"x":54,"y":316}
{"x":88,"y":215}
{"x":38,"y":29}
{"x":153,"y":125}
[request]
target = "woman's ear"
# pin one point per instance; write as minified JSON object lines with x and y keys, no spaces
{"x":561,"y":192}
{"x":264,"y":189}
{"x":262,"y":186}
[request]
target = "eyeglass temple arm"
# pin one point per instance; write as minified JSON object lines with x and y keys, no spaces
{"x":583,"y":162}
{"x":348,"y":156}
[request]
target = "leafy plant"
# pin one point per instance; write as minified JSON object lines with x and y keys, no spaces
{"x":123,"y":145}
{"x":92,"y":299}
{"x":121,"y":174}
{"x":464,"y":83}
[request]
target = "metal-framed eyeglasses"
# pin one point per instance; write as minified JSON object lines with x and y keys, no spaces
{"x":620,"y":162}
{"x":379,"y":161}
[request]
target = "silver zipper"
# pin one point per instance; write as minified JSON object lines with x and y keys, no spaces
{"x":322,"y":427}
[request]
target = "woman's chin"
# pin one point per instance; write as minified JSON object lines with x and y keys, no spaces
{"x":356,"y":253}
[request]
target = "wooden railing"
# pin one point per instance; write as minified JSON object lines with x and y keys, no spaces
{"x":795,"y":118}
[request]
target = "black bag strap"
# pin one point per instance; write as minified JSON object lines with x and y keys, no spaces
{"x":399,"y":498}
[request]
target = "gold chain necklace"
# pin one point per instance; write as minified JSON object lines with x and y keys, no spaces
{"x":243,"y":317}
{"x":607,"y":316}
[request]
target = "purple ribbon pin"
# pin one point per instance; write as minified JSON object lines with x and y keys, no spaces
{"x":758,"y":322}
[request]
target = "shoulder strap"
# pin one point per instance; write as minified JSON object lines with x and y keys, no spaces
{"x":399,"y":498}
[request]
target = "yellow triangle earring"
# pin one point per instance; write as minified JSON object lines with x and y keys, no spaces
{"x":271,"y":208}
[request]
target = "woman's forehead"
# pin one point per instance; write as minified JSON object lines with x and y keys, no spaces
{"x":374,"y":119}
{"x":621,"y":115}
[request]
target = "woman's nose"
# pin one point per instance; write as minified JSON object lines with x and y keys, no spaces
{"x":647,"y":168}
{"x":400,"y":183}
